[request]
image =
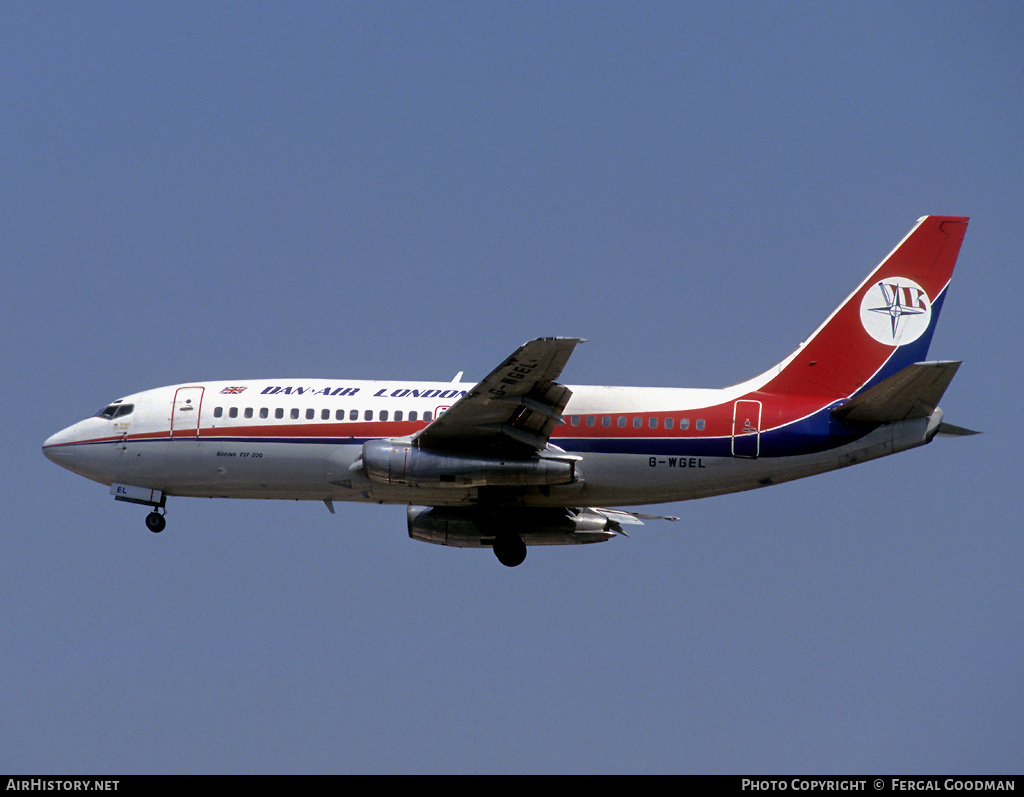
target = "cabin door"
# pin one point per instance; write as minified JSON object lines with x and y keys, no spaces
{"x":746,"y":429}
{"x":185,"y":412}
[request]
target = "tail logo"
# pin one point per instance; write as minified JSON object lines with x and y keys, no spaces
{"x":895,"y":311}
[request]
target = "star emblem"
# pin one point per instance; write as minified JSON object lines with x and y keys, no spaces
{"x":894,"y":308}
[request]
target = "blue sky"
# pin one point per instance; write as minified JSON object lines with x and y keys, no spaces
{"x":407,"y":190}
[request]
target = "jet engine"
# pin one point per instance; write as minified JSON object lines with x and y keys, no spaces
{"x":510,"y":529}
{"x":402,"y":463}
{"x":478,"y":527}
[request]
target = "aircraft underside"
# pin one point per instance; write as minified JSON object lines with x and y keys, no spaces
{"x":506,"y":519}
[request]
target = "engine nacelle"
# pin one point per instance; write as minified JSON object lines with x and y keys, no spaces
{"x":402,"y":463}
{"x":477,"y":527}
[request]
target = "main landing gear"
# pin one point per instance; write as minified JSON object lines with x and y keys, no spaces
{"x":510,"y":549}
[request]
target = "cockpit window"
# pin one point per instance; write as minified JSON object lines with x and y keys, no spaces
{"x":115,"y":410}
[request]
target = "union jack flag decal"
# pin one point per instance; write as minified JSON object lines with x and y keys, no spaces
{"x":232,"y":390}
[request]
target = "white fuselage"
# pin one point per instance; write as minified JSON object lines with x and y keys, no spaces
{"x":302,"y":439}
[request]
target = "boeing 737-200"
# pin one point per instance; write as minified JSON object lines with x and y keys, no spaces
{"x":519,"y":459}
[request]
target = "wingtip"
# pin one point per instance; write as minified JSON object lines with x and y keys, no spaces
{"x":950,"y":430}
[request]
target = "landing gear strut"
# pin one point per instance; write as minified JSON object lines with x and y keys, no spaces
{"x":151,"y":497}
{"x":510,"y":549}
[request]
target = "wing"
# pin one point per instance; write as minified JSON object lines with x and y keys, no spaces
{"x":513,"y":409}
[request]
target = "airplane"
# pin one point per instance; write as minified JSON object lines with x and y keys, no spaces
{"x":518,"y":459}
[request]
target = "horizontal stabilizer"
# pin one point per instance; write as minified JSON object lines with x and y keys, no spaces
{"x":913,"y":392}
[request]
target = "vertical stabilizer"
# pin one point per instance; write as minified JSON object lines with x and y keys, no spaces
{"x":886,"y":324}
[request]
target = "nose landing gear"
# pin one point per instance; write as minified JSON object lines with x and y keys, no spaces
{"x":146,"y":496}
{"x":155,"y":522}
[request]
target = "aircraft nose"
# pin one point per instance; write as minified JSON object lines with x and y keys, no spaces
{"x":60,"y":447}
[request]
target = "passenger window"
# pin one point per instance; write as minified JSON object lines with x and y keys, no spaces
{"x":684,"y":423}
{"x":413,"y":415}
{"x":264,"y":412}
{"x":427,"y":416}
{"x":574,"y":420}
{"x":621,"y":421}
{"x":398,"y":415}
{"x":279,"y":413}
{"x":353,"y":415}
{"x":339,"y":415}
{"x":233,"y":412}
{"x":638,"y":422}
{"x":368,"y":415}
{"x":700,"y":424}
{"x":310,"y":414}
{"x":653,"y":423}
{"x":218,"y":411}
{"x":295,"y":413}
{"x":325,"y":415}
{"x":248,"y":412}
{"x":590,"y":420}
{"x":669,"y":423}
{"x":382,"y":415}
{"x":606,"y":420}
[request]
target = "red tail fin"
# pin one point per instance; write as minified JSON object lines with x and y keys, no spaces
{"x":884,"y":325}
